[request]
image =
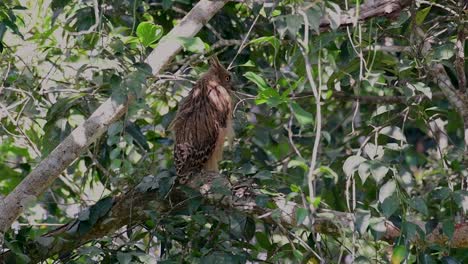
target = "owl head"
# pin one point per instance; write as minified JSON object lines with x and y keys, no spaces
{"x":224,"y":76}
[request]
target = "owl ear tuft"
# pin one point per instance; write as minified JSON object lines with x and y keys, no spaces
{"x":214,"y":62}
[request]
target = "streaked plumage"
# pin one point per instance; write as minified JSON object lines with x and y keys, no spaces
{"x":202,"y":123}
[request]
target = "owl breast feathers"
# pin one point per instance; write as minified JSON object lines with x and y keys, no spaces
{"x":203,"y":122}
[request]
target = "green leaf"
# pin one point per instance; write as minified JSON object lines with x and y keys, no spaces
{"x":194,"y":204}
{"x":373,"y":151}
{"x":293,"y":24}
{"x":301,"y":163}
{"x":166,"y":4}
{"x":421,"y":87}
{"x":328,"y":173}
{"x":411,"y":231}
{"x":257,"y":79}
{"x":124,"y":258}
{"x":135,"y":82}
{"x":295,"y":188}
{"x":195,"y":45}
{"x":55,"y":131}
{"x":399,"y":254}
{"x":461,"y":199}
{"x":148,"y":33}
{"x":450,"y":260}
{"x":115,"y":129}
{"x":236,"y":223}
{"x":421,"y":15}
{"x":302,"y":116}
{"x":362,"y":220}
{"x":337,"y":76}
{"x":426,"y":259}
{"x":62,"y":106}
{"x":263,"y":175}
{"x":134,"y":130}
{"x":448,"y":226}
{"x":263,"y":240}
{"x":393,"y":132}
{"x":362,"y":260}
{"x":298,"y":255}
{"x":441,"y":193}
{"x":301,"y":214}
{"x":18,"y":257}
{"x":100,"y":209}
{"x":419,"y":205}
{"x":334,"y":14}
{"x":56,"y":4}
{"x":352,"y":164}
{"x":364,"y":171}
{"x":314,"y":15}
{"x":45,"y":241}
{"x":249,"y":63}
{"x":390,"y":205}
{"x":269,"y":96}
{"x":382,"y":110}
{"x":221,"y":257}
{"x":387,"y":190}
{"x":249,"y":228}
{"x":378,"y":224}
{"x":444,"y":52}
{"x":247,"y":169}
{"x":378,"y":171}
{"x":270,"y":39}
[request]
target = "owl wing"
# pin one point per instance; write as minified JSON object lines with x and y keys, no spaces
{"x":190,"y":157}
{"x":196,"y":131}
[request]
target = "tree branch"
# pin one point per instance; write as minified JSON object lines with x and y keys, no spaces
{"x":370,"y":9}
{"x":131,"y":208}
{"x":460,"y":47}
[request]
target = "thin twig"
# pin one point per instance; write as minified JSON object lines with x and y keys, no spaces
{"x":318,"y":117}
{"x":219,"y":44}
{"x":243,"y":44}
{"x":290,"y":133}
{"x":16,"y":123}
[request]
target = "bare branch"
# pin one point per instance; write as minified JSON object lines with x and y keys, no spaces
{"x":303,"y":45}
{"x":369,"y":9}
{"x":460,"y":48}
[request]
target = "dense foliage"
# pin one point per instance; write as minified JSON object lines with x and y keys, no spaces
{"x":390,"y":147}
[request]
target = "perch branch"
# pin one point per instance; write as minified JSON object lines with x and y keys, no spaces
{"x":131,"y":209}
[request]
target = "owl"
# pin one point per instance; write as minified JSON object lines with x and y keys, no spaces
{"x":203,"y":122}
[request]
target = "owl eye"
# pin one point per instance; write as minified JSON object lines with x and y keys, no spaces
{"x":227,"y":78}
